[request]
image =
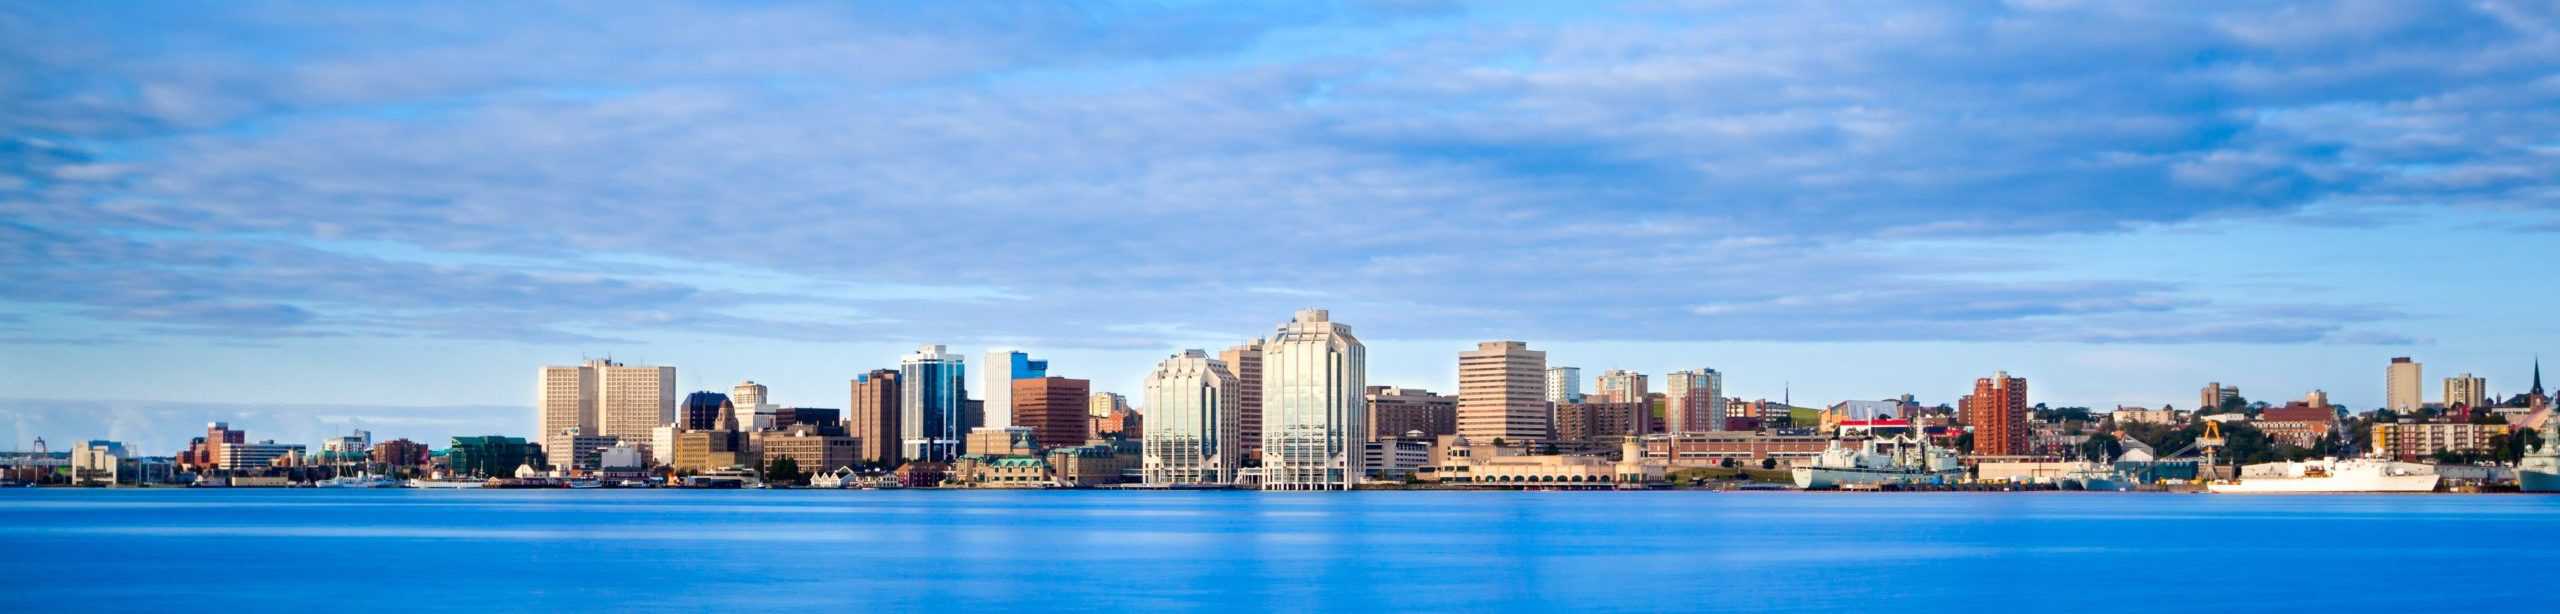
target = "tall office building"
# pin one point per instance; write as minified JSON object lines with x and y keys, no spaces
{"x":995,"y":382}
{"x":932,"y":399}
{"x":2466,"y":391}
{"x":2210,"y":399}
{"x":2401,"y":390}
{"x":1314,"y":417}
{"x":701,"y":410}
{"x":872,"y":417}
{"x":1502,"y":394}
{"x":1193,"y":441}
{"x":609,"y":399}
{"x":1694,"y":401}
{"x":1056,"y":409}
{"x":1621,"y":386}
{"x":1564,"y":385}
{"x":1245,"y":361}
{"x":748,"y":396}
{"x":1998,"y":408}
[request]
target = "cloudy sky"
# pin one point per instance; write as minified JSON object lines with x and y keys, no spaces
{"x":274,"y":206}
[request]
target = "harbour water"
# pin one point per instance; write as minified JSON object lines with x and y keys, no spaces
{"x":888,"y":551}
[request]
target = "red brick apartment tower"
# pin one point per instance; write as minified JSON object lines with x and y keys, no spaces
{"x":1998,"y":409}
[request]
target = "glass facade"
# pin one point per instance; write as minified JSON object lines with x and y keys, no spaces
{"x":932,"y":397}
{"x":996,"y":383}
{"x":1314,"y":414}
{"x":1193,"y":426}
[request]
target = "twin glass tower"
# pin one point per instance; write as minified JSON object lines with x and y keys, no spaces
{"x":1314,"y":417}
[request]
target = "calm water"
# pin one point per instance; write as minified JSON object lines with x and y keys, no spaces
{"x":311,"y":550}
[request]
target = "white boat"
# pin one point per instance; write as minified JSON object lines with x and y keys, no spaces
{"x":1904,"y":460}
{"x":2331,"y":476}
{"x":446,"y":484}
{"x":359,"y":481}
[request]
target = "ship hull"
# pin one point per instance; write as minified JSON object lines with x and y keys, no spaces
{"x":2530,"y":480}
{"x":1816,"y":478}
{"x":2361,"y":484}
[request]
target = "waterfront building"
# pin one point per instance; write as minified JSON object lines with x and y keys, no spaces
{"x":814,"y":450}
{"x":1056,"y":409}
{"x":1462,"y":463}
{"x":1564,"y":385}
{"x":1746,"y":448}
{"x":1097,"y":464}
{"x":1694,"y":401}
{"x":487,"y":456}
{"x":1396,"y":456}
{"x":579,"y":451}
{"x":566,"y":400}
{"x":995,"y":381}
{"x":1245,"y":362}
{"x":2400,"y":385}
{"x":921,"y":474}
{"x":662,"y":441}
{"x":1592,"y":425}
{"x":98,"y":461}
{"x":1394,"y":411}
{"x":1314,"y":417}
{"x":699,"y":410}
{"x":720,"y":447}
{"x":872,"y":417}
{"x":2297,"y":424}
{"x":400,"y":454}
{"x":1198,"y":431}
{"x":983,"y":471}
{"x":260,"y":455}
{"x":1997,"y":410}
{"x":2466,"y":391}
{"x":1123,"y":422}
{"x":1002,"y":441}
{"x":2211,"y":399}
{"x":2410,"y":440}
{"x":623,"y":458}
{"x":1621,"y":386}
{"x":205,"y":453}
{"x":352,"y":445}
{"x":1502,"y":393}
{"x":932,"y":393}
{"x":604,"y":397}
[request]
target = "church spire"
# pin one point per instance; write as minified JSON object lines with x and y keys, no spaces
{"x":2537,"y":376}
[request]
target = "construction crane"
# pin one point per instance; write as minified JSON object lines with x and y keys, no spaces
{"x":2211,"y":442}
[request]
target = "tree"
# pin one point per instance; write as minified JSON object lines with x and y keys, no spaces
{"x":784,"y":471}
{"x":2234,"y":404}
{"x":1729,"y":463}
{"x":1768,"y":464}
{"x":1964,"y":442}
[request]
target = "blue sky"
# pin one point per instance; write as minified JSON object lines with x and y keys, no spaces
{"x":285,"y":205}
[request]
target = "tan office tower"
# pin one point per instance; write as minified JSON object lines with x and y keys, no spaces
{"x":632,"y":400}
{"x":1245,"y":362}
{"x":1620,"y":386}
{"x":1694,"y":401}
{"x":2466,"y":391}
{"x":2210,"y":399}
{"x":1502,"y":394}
{"x":2400,"y":385}
{"x":748,"y":396}
{"x":1315,"y":420}
{"x":565,"y":406}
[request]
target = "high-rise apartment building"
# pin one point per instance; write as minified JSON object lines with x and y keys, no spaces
{"x":2466,"y":391}
{"x":1502,"y":394}
{"x":872,"y":417}
{"x":1245,"y":362}
{"x":1056,"y":409}
{"x":1314,"y":419}
{"x":1998,"y":407}
{"x":2210,"y":399}
{"x":1695,"y":401}
{"x":1394,"y":412}
{"x":1564,"y":385}
{"x":606,"y":398}
{"x":995,"y":381}
{"x":2401,"y":388}
{"x":933,"y":397}
{"x":1620,"y":386}
{"x":1193,"y":441}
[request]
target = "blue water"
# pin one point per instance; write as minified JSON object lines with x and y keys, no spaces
{"x":348,"y":550}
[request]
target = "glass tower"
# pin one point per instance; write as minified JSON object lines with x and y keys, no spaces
{"x":1192,"y":422}
{"x":1314,"y":415}
{"x":932,"y":394}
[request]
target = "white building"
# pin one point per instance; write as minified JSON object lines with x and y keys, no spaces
{"x":933,"y":396}
{"x":1694,"y":401}
{"x":1867,"y":410}
{"x":1502,"y":393}
{"x":1564,"y":385}
{"x":1314,"y":414}
{"x":97,"y":461}
{"x":1194,"y":427}
{"x":662,"y":444}
{"x":238,"y":456}
{"x":753,"y":402}
{"x":1621,"y":386}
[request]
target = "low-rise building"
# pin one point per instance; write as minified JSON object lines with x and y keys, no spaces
{"x":1461,"y":464}
{"x":1711,"y":449}
{"x":1395,"y":411}
{"x":976,"y":471}
{"x":814,"y":450}
{"x":1398,"y":457}
{"x":261,"y":455}
{"x":2298,"y":424}
{"x":2124,"y":415}
{"x":1002,"y":441}
{"x":2412,"y":440}
{"x":1093,"y":465}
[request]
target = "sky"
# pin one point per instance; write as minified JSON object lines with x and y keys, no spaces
{"x":307,"y":218}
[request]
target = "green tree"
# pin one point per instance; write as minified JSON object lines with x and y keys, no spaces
{"x":784,"y":471}
{"x":1768,"y":464}
{"x":1729,"y":463}
{"x":2101,"y":445}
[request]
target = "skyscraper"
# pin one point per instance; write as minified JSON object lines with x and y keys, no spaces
{"x":748,"y":396}
{"x":932,"y":396}
{"x":1314,"y":414}
{"x":2401,"y":390}
{"x":1621,"y":386}
{"x":1055,"y":408}
{"x":1245,"y":361}
{"x":1695,"y":401}
{"x":873,"y":415}
{"x":2466,"y":391}
{"x":995,"y":381}
{"x":1193,"y":440}
{"x":1998,"y":408}
{"x":701,"y":410}
{"x":610,"y":399}
{"x":1564,"y":385}
{"x":1502,"y":394}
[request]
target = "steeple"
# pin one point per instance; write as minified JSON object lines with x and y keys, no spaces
{"x":2537,"y":376}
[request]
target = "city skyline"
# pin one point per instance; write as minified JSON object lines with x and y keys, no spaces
{"x":258,"y":209}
